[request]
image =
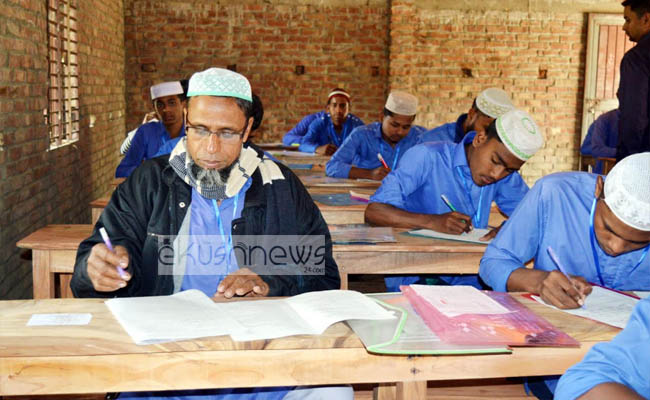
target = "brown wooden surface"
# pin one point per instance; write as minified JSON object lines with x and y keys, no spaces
{"x":56,"y":237}
{"x":116,"y":182}
{"x":100,"y":357}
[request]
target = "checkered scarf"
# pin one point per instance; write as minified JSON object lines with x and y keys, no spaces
{"x":243,"y":168}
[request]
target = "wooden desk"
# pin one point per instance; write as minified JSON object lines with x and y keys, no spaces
{"x":100,"y":357}
{"x":409,"y":255}
{"x":54,"y":250}
{"x":97,"y":206}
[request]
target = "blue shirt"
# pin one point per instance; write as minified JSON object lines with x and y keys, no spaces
{"x":624,"y":360}
{"x":602,"y":136}
{"x":451,"y":132}
{"x":556,"y":213}
{"x":300,"y":130}
{"x":361,"y":147}
{"x":432,"y":169}
{"x":321,"y":132}
{"x":209,"y":255}
{"x":145,"y":145}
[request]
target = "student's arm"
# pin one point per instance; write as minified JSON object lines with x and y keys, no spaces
{"x":502,"y":266}
{"x":388,"y":207}
{"x":511,"y":191}
{"x":341,"y":162}
{"x":615,"y":370}
{"x":380,"y":214}
{"x":134,"y":156}
{"x":298,"y":132}
{"x":314,"y":137}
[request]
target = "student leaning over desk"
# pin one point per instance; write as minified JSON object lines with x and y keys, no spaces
{"x":472,"y":174}
{"x":599,"y":231}
{"x":212,"y":190}
{"x":358,"y":157}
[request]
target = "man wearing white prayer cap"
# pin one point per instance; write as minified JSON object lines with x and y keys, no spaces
{"x":214,"y":197}
{"x":359,"y":155}
{"x":168,"y":99}
{"x":490,"y":104}
{"x":598,"y":227}
{"x":471,"y":174}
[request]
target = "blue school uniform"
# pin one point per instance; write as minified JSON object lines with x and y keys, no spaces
{"x":295,"y":135}
{"x":145,"y":145}
{"x":437,"y":168}
{"x":624,"y":360}
{"x":360,"y":150}
{"x":321,"y":132}
{"x":451,"y":132}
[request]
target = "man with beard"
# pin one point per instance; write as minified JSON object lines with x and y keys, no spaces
{"x":213,"y":190}
{"x":487,"y":106}
{"x":358,"y":157}
{"x":471,"y":174}
{"x":169,"y":102}
{"x":327,"y":133}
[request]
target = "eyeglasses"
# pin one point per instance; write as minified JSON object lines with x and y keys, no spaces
{"x":201,"y":132}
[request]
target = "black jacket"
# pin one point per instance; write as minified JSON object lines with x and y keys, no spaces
{"x":152,"y":204}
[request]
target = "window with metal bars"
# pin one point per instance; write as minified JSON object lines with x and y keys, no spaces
{"x":62,"y":115}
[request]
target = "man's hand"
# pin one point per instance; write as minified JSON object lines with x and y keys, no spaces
{"x":243,"y":282}
{"x":378,"y":173}
{"x":326,"y":149}
{"x":492,"y":234}
{"x":452,"y":222}
{"x":563,"y":293}
{"x":102,"y":267}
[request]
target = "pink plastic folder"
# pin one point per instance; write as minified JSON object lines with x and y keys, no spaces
{"x":520,"y":327}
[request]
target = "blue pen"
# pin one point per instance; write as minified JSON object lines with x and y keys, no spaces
{"x":560,"y":267}
{"x":108,"y":244}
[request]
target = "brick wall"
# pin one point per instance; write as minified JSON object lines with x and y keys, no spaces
{"x":39,"y":187}
{"x":538,"y":57}
{"x":338,"y":44}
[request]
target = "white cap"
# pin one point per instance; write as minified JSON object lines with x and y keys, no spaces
{"x":220,"y":82}
{"x":166,"y":89}
{"x":494,"y":102}
{"x":627,"y":191}
{"x":402,"y":103}
{"x":519,"y":133}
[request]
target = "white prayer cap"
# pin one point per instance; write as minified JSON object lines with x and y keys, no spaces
{"x":627,"y":191}
{"x":166,"y":89}
{"x":494,"y":102}
{"x":519,"y":133}
{"x":219,"y":82}
{"x":402,"y":103}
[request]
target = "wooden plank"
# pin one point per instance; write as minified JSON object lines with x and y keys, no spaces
{"x":411,"y":390}
{"x":602,"y":60}
{"x":42,"y":278}
{"x":56,"y":237}
{"x":610,"y":65}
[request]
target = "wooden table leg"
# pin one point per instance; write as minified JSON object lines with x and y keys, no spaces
{"x":411,"y":390}
{"x":384,"y":391}
{"x":344,"y":280}
{"x":42,"y":277}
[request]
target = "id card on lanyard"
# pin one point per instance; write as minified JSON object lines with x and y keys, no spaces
{"x":395,"y":158}
{"x":228,"y":240}
{"x":476,"y":217}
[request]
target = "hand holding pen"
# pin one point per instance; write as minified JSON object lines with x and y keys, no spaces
{"x":453,"y":222}
{"x":562,"y":290}
{"x":106,"y":264}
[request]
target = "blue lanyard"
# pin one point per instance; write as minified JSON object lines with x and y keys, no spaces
{"x":220,"y":224}
{"x":592,"y":237}
{"x":396,"y":157}
{"x":476,"y":218}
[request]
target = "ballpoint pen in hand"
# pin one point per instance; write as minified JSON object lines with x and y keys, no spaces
{"x":379,"y":156}
{"x":561,"y":268}
{"x":107,"y":242}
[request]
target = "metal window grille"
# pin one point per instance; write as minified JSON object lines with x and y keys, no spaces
{"x":63,"y":94}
